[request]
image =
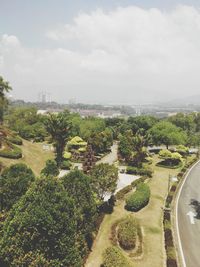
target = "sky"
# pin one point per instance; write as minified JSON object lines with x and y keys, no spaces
{"x":112,"y":52}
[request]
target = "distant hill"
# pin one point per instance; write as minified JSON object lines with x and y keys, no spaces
{"x":185,"y":101}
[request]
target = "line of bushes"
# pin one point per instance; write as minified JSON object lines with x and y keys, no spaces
{"x":169,"y":243}
{"x":14,"y":139}
{"x":139,"y":199}
{"x":139,"y":171}
{"x":165,"y":164}
{"x":11,"y":152}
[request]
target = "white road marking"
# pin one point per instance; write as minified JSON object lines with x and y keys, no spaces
{"x":177,"y":226}
{"x":191,"y":215}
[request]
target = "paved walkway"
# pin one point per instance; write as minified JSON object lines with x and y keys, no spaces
{"x":111,"y":157}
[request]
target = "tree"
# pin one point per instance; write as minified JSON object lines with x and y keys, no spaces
{"x":78,"y":186}
{"x":4,"y":88}
{"x":101,"y":142}
{"x":140,"y":142}
{"x":26,"y":122}
{"x":15,"y":181}
{"x":41,"y":227}
{"x":50,"y":169}
{"x":104,"y":180}
{"x":125,"y":145}
{"x":144,"y":122}
{"x":58,"y":126}
{"x":184,"y":121}
{"x":166,"y":133}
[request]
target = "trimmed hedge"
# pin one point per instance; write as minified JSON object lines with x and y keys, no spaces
{"x":13,"y":152}
{"x":14,"y":139}
{"x":139,"y":171}
{"x":120,"y":194}
{"x":127,"y":233}
{"x":165,"y":164}
{"x":113,"y":257}
{"x":139,"y":199}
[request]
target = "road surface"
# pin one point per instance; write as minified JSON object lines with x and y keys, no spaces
{"x":188,"y":226}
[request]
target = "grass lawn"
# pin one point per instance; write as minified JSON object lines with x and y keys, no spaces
{"x":150,"y":220}
{"x":33,"y":155}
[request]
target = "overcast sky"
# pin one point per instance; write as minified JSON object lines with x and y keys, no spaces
{"x":101,"y":51}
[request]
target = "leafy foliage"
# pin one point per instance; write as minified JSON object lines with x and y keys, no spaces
{"x":104,"y":180}
{"x":4,"y":88}
{"x":78,"y":186}
{"x":170,"y":159}
{"x":58,"y":126}
{"x":11,"y":151}
{"x":27,"y":123}
{"x":139,"y":199}
{"x":50,"y":169}
{"x":114,"y":257}
{"x":144,"y":171}
{"x":127,"y":233}
{"x":41,"y":226}
{"x":101,"y":142}
{"x":15,"y":181}
{"x":168,"y":134}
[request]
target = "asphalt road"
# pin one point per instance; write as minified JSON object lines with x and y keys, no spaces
{"x":188,"y":224}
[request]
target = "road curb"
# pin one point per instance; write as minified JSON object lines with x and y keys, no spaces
{"x":180,"y":249}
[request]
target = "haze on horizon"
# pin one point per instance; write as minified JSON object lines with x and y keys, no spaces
{"x":123,"y":52}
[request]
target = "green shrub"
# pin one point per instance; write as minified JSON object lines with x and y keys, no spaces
{"x":13,"y":152}
{"x":120,"y":194}
{"x":113,"y":257}
{"x":66,"y":165}
{"x":139,"y":199}
{"x":127,"y":233}
{"x":171,"y":254}
{"x":50,"y":169}
{"x":14,"y":139}
{"x":14,"y":182}
{"x":139,"y":171}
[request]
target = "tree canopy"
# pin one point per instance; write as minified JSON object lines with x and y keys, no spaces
{"x":104,"y":180}
{"x":4,"y":88}
{"x":41,"y":226}
{"x":166,"y":133}
{"x":50,"y":169}
{"x":14,"y":182}
{"x":58,"y":126}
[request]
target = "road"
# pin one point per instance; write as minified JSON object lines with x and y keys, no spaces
{"x":188,"y":226}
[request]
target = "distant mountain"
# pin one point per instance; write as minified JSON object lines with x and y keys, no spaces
{"x":185,"y":101}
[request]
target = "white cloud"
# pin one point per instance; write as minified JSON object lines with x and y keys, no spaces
{"x":123,"y":55}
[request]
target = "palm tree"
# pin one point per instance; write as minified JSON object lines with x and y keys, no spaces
{"x":4,"y":88}
{"x":58,"y":126}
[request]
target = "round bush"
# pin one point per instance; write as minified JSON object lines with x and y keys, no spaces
{"x":139,"y":199}
{"x":127,"y":233}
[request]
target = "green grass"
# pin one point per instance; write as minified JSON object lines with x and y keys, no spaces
{"x":33,"y":155}
{"x":150,"y":220}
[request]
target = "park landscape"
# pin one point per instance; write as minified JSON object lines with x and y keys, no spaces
{"x":83,"y":217}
